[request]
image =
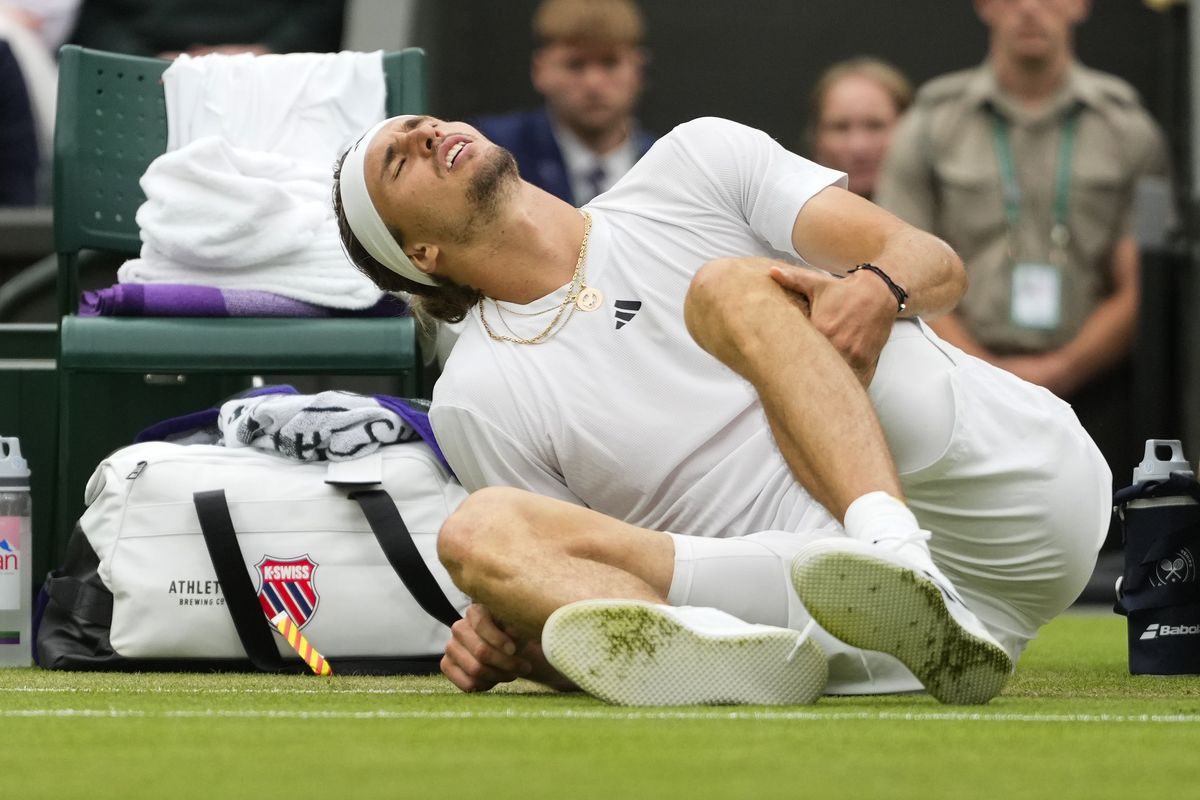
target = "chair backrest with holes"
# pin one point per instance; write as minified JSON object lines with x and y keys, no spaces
{"x":111,"y":123}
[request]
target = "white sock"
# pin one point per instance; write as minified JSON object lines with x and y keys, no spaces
{"x":879,"y":515}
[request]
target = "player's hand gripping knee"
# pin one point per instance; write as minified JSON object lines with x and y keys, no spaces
{"x":852,"y":313}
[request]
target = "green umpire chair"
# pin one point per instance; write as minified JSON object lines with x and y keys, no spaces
{"x":117,"y":375}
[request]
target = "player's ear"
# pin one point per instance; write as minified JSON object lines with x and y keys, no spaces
{"x":424,"y":256}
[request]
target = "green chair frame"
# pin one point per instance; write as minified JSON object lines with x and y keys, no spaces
{"x":117,"y":375}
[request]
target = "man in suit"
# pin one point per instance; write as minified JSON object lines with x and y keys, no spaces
{"x":588,"y":66}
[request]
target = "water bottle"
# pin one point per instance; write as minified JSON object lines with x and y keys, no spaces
{"x":16,"y":566}
{"x":1159,"y":589}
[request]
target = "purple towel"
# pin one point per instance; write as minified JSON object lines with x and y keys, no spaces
{"x":185,"y":300}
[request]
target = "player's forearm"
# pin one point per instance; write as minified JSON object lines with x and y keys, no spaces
{"x":837,"y":230}
{"x":926,"y":267}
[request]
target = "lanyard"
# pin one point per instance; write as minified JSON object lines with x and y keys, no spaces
{"x":1059,"y":234}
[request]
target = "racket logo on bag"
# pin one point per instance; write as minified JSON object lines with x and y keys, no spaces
{"x":287,"y":585}
{"x":1178,"y":568}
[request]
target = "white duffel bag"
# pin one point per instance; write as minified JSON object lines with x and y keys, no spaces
{"x":140,"y":590}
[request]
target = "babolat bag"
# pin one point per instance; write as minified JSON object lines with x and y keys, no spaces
{"x":187,"y":552}
{"x":1159,"y":590}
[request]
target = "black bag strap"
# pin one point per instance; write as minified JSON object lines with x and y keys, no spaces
{"x":240,"y":597}
{"x":1175,"y":485}
{"x":401,"y":552}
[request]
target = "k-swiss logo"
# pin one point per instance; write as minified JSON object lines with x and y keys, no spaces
{"x":1156,"y":631}
{"x":1178,"y":568}
{"x":626,"y":311}
{"x":286,"y":584}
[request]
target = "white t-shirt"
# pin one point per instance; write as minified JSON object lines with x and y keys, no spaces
{"x":620,"y":410}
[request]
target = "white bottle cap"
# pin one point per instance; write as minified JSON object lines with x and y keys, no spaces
{"x":1156,"y":466}
{"x":14,"y":472}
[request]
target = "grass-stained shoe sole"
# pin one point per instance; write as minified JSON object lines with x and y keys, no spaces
{"x":633,"y":653}
{"x":871,"y":603}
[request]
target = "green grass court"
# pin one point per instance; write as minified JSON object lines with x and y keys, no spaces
{"x":1072,"y":723}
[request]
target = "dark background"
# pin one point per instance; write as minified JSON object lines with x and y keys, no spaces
{"x":755,"y":60}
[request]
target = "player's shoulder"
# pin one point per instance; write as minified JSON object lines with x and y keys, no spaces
{"x":706,"y":139}
{"x":471,"y":369}
{"x":704,"y":128}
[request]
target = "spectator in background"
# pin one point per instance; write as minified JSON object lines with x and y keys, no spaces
{"x":18,"y":137}
{"x":854,"y":107}
{"x":49,"y":20}
{"x":588,"y":66}
{"x":32,"y":30}
{"x":1027,"y":167}
{"x":169,"y":27}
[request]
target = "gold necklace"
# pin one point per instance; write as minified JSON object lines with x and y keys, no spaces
{"x":579,"y":296}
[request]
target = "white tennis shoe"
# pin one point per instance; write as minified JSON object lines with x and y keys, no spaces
{"x":891,"y":598}
{"x":634,"y":653}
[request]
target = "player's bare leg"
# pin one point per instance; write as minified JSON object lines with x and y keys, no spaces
{"x":593,"y":590}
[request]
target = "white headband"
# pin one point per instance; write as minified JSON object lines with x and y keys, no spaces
{"x":364,"y":220}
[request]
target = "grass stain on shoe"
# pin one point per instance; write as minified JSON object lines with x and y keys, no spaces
{"x":633,"y":632}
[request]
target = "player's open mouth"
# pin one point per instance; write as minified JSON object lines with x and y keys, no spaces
{"x":452,"y":154}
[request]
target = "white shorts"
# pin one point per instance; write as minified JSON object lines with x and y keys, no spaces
{"x":1015,"y":494}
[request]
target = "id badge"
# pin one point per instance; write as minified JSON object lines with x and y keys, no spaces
{"x":1036,"y":296}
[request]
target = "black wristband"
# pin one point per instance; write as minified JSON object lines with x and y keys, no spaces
{"x":896,"y":289}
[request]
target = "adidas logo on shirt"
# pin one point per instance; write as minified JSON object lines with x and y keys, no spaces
{"x":626,"y":311}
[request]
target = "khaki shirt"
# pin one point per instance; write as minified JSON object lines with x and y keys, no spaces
{"x":942,"y":175}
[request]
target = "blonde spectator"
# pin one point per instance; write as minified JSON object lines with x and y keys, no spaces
{"x":854,"y":107}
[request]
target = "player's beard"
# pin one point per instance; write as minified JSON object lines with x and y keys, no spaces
{"x":488,"y":183}
{"x":491,"y":185}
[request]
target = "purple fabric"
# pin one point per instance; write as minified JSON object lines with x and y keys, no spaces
{"x":185,"y":300}
{"x":416,"y":413}
{"x":176,"y":426}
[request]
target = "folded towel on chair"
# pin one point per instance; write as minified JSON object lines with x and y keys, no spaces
{"x":309,"y":106}
{"x":182,"y":300}
{"x":218,"y":215}
{"x":241,"y":198}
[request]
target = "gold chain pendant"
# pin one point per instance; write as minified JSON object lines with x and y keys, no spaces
{"x":589,"y":299}
{"x":585,"y":298}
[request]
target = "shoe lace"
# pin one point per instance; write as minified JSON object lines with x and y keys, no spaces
{"x":916,"y":537}
{"x":804,"y":634}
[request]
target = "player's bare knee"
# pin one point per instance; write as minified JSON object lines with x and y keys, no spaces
{"x":710,"y":288}
{"x":464,"y":534}
{"x":705,"y":295}
{"x":481,"y":535}
{"x":719,"y":301}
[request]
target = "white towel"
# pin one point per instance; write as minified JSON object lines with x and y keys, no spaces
{"x":241,"y":199}
{"x":306,"y":105}
{"x":218,"y":215}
